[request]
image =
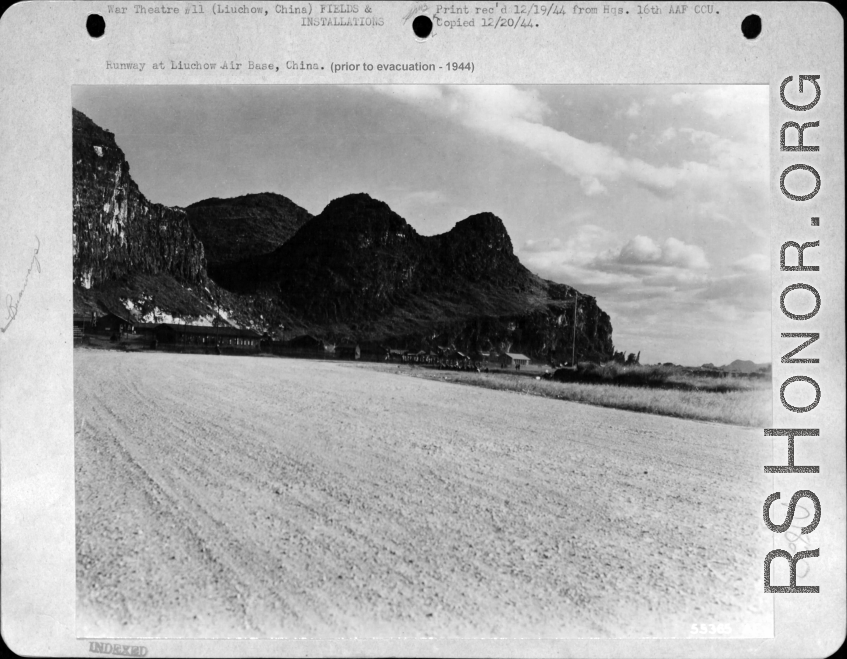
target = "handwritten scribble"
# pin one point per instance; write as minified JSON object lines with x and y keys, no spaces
{"x":416,"y":8}
{"x":792,"y":542}
{"x":12,"y":303}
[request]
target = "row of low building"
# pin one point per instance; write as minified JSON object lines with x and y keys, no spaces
{"x":119,"y":325}
{"x":311,"y":346}
{"x":445,"y":354}
{"x":204,"y":335}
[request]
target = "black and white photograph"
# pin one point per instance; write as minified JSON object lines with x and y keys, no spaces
{"x":405,"y":329}
{"x":437,"y":361}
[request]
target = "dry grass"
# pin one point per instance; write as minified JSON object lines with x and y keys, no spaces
{"x":734,"y":401}
{"x":661,"y":377}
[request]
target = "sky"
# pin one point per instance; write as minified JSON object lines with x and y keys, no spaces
{"x":653,"y":199}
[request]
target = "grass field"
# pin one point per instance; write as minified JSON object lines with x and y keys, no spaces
{"x":738,"y":401}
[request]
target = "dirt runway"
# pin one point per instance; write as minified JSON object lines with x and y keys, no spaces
{"x":255,"y":497}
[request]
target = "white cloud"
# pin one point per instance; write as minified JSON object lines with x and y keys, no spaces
{"x":747,"y":292}
{"x":676,"y":252}
{"x":542,"y":245}
{"x":592,"y":186}
{"x":745,"y":163}
{"x":659,"y":291}
{"x":703,"y":155}
{"x":580,"y":247}
{"x":644,"y":251}
{"x":666,"y":135}
{"x":638,"y":251}
{"x":596,"y":257}
{"x":710,"y":211}
{"x":727,"y":100}
{"x":516,"y":116}
{"x":754,"y":263}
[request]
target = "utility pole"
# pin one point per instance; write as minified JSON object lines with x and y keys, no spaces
{"x":573,"y":350}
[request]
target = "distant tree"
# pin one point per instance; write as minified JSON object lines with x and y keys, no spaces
{"x":633,"y":359}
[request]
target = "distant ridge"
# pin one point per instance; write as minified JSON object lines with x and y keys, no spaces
{"x":738,"y":366}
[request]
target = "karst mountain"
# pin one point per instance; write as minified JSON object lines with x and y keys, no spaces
{"x":357,"y":271}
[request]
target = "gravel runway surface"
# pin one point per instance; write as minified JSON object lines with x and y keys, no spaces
{"x":253,"y":497}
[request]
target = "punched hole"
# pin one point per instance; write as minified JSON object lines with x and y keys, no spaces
{"x":95,"y":25}
{"x":422,"y":27}
{"x":751,"y":27}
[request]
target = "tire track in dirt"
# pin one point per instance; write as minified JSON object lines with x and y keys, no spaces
{"x":270,"y":497}
{"x":156,"y":497}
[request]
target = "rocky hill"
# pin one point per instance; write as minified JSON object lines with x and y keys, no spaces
{"x":358,"y":258}
{"x":117,"y":232}
{"x":246,"y":226}
{"x":358,"y":271}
